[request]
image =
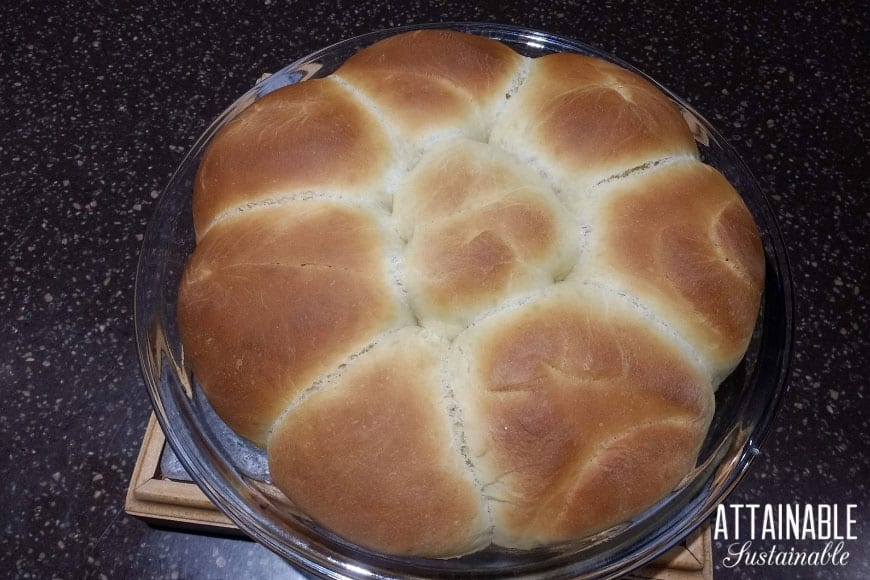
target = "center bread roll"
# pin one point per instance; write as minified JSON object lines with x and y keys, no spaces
{"x":479,"y":229}
{"x":463,"y":297}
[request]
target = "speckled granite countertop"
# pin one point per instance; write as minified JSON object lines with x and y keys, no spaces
{"x":100,"y":101}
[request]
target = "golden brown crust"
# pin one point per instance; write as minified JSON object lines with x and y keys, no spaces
{"x":682,"y":242}
{"x":434,"y":80}
{"x":370,"y":456}
{"x":644,"y":464}
{"x":270,"y":300}
{"x":581,"y":120}
{"x":307,"y":137}
{"x":558,"y":408}
{"x":554,"y":391}
{"x":481,"y":229}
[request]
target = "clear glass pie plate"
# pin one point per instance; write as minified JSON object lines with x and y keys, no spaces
{"x":235,"y":476}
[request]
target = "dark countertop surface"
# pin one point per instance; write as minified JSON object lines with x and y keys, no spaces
{"x":101,"y":100}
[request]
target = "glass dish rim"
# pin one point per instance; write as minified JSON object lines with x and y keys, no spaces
{"x":152,"y":359}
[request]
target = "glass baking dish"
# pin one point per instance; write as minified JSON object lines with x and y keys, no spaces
{"x":234,"y":474}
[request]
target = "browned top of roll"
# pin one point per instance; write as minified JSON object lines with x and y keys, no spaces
{"x":480,"y":229}
{"x":383,"y":424}
{"x":578,"y":412}
{"x":274,"y":298}
{"x":682,"y":242}
{"x":307,"y":137}
{"x":582,"y":120}
{"x":434,"y":81}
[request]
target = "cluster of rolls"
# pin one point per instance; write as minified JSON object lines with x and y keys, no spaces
{"x":463,"y":297}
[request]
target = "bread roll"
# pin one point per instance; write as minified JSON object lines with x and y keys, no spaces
{"x":434,"y":82}
{"x":383,"y":423}
{"x":463,"y":297}
{"x":682,"y":244}
{"x":578,"y":413}
{"x":581,"y":120}
{"x":479,"y":229}
{"x":274,"y":298}
{"x":308,"y":138}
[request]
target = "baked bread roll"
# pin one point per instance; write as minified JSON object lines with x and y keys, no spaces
{"x":463,"y":297}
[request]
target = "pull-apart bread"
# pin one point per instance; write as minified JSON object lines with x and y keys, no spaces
{"x":464,"y":297}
